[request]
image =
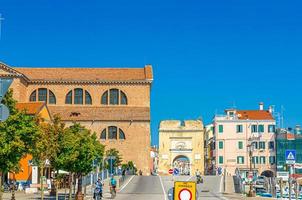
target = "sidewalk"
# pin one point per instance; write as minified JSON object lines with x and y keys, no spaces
{"x":235,"y":196}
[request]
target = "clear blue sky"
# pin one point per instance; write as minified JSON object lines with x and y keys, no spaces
{"x":206,"y":55}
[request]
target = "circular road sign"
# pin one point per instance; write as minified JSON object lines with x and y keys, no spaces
{"x":185,"y":194}
{"x":175,"y":171}
{"x":170,"y":171}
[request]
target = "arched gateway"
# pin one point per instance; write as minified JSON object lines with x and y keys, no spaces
{"x":182,"y":163}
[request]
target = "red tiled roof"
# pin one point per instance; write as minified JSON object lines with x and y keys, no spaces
{"x":104,"y":113}
{"x":87,"y":74}
{"x":254,"y":115}
{"x":31,"y":108}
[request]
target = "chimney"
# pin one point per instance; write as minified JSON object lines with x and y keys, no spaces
{"x":270,"y":109}
{"x":261,"y":106}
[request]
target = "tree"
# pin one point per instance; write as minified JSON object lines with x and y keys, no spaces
{"x":47,"y":147}
{"x":78,"y":149}
{"x":18,"y":135}
{"x":118,"y":158}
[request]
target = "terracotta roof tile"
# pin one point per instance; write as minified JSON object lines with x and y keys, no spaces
{"x":88,"y":113}
{"x":31,"y":108}
{"x":87,"y":74}
{"x":254,"y":115}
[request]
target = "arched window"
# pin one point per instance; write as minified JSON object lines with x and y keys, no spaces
{"x":123,"y":98}
{"x":43,"y":94}
{"x":114,"y":97}
{"x":103,"y":135}
{"x":112,"y":132}
{"x":33,"y":96}
{"x":52,"y":97}
{"x":68,"y":99}
{"x":104,"y":100}
{"x":76,"y":96}
{"x":121,"y":134}
{"x":87,"y":98}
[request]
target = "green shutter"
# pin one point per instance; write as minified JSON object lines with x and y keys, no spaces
{"x":261,"y":128}
{"x":220,"y":159}
{"x":220,"y":144}
{"x":220,"y":128}
{"x":240,"y":145}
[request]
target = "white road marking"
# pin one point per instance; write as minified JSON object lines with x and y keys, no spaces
{"x":189,"y":178}
{"x":126,"y":183}
{"x":162,"y":185}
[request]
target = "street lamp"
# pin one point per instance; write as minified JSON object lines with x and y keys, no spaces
{"x":250,"y":148}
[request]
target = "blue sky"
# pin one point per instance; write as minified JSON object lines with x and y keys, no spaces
{"x":206,"y":55}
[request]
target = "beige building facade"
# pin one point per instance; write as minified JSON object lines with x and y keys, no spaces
{"x":112,"y":102}
{"x":240,"y":131}
{"x":181,"y":146}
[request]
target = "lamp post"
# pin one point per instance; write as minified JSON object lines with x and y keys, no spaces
{"x":250,"y":150}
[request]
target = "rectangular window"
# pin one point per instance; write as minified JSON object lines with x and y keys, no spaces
{"x":220,"y":159}
{"x":78,"y":96}
{"x":114,"y":96}
{"x":271,"y":145}
{"x":254,"y":128}
{"x":220,"y":144}
{"x":42,"y":94}
{"x":255,"y":144}
{"x":255,"y":160}
{"x":271,"y":128}
{"x":239,"y":128}
{"x":220,"y":128}
{"x":272,"y":160}
{"x":240,"y":160}
{"x":261,"y":145}
{"x":240,"y":145}
{"x":262,"y":159}
{"x":261,"y":128}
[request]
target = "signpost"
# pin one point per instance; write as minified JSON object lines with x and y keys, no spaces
{"x":4,"y":85}
{"x":185,"y":190}
{"x":170,"y":171}
{"x":176,"y":171}
{"x":290,"y":157}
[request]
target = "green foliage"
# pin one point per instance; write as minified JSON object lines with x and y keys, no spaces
{"x":10,"y":102}
{"x":47,"y":146}
{"x":118,"y":158}
{"x":18,"y":134}
{"x":78,"y":149}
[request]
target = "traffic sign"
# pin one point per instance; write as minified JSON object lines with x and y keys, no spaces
{"x":170,"y":171}
{"x":4,"y":112}
{"x":290,"y":156}
{"x":175,"y":171}
{"x":185,"y":190}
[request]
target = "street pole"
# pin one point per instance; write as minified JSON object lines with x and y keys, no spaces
{"x":290,"y":182}
{"x":251,"y":193}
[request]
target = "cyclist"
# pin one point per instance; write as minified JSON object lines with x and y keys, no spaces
{"x":112,"y":187}
{"x":98,"y":191}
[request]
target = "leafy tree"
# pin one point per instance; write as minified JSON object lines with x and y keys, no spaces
{"x":47,"y":147}
{"x":78,"y":149}
{"x":18,"y":135}
{"x":118,"y":158}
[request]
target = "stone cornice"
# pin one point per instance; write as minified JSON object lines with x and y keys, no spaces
{"x":13,"y":73}
{"x":89,"y":82}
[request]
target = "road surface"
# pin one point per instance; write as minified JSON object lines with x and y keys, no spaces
{"x":157,"y":188}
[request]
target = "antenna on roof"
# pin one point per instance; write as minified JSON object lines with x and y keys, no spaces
{"x":1,"y":19}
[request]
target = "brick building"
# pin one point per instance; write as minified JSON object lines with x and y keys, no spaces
{"x":113,"y":102}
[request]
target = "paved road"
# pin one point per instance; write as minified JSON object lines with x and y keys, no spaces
{"x":157,"y":188}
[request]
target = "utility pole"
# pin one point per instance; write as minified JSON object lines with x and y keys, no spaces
{"x":1,"y":19}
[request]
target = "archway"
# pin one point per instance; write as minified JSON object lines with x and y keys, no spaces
{"x":267,"y":173}
{"x":182,"y":163}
